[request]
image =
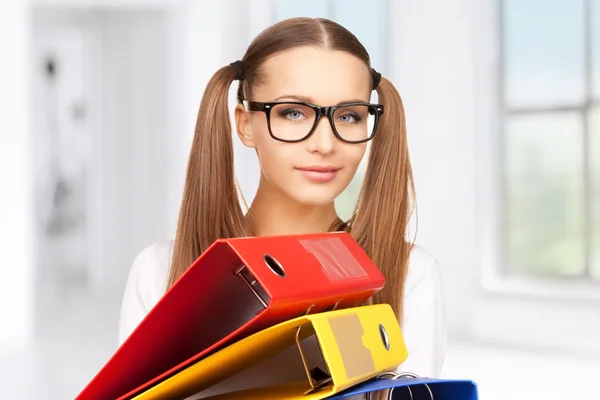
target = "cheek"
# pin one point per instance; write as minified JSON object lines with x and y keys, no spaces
{"x":353,"y":155}
{"x":274,"y":156}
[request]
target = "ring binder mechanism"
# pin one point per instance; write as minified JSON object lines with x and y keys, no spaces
{"x":317,"y":378}
{"x":351,"y":350}
{"x":251,"y":282}
{"x":418,"y":388}
{"x":395,"y":376}
{"x":237,"y":287}
{"x":335,"y":306}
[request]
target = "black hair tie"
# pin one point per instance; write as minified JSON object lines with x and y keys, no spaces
{"x":239,"y":68}
{"x":376,"y":78}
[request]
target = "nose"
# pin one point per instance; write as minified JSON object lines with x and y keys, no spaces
{"x":323,"y":139}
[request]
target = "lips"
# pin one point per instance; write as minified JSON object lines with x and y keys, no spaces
{"x":319,"y":173}
{"x":319,"y":168}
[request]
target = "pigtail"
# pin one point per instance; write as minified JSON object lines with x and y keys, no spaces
{"x":385,"y":204}
{"x":210,"y":207}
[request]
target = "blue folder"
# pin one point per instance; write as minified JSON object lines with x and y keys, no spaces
{"x":441,"y":389}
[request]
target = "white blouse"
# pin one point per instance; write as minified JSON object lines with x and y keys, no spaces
{"x":423,"y":325}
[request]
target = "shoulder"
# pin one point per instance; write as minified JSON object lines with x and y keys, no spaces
{"x":420,"y":256}
{"x":423,"y":268}
{"x":145,"y":285}
{"x":150,"y":269}
{"x":148,"y":276}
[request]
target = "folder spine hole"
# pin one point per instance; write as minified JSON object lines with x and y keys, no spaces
{"x":274,"y":265}
{"x":384,"y":337}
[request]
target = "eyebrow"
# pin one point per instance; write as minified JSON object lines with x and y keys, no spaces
{"x":306,"y":99}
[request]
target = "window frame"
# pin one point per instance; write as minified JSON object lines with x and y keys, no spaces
{"x":584,"y":109}
{"x":555,"y":315}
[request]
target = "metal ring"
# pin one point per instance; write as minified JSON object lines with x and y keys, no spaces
{"x":395,"y":376}
{"x":392,"y":376}
{"x":410,"y":375}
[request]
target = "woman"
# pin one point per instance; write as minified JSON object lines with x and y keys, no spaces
{"x":304,"y":106}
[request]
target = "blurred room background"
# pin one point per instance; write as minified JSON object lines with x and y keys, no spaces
{"x":98,"y":100}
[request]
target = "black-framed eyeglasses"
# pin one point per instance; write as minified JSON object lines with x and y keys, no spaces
{"x":292,"y":121}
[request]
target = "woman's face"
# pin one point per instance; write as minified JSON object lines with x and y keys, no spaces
{"x":316,"y":170}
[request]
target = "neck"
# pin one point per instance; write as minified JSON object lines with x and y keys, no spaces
{"x":274,"y":214}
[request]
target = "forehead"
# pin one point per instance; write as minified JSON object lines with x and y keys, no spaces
{"x":326,"y":76}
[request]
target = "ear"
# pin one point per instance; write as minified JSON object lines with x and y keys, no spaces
{"x":243,"y":126}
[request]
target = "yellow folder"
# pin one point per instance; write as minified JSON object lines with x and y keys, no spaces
{"x":355,"y":344}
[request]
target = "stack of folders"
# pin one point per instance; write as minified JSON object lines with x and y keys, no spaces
{"x":279,"y":317}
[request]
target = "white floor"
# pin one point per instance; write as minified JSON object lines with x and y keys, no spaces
{"x":505,"y":374}
{"x":76,"y":334}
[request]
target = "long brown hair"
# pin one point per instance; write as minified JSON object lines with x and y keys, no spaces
{"x":211,"y":207}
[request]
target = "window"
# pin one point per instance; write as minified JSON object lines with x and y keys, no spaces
{"x":550,"y":138}
{"x":368,"y":21}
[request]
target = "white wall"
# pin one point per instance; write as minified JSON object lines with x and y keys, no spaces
{"x":124,"y":93}
{"x":154,"y":60}
{"x":16,"y":191}
{"x":431,"y":51}
{"x":134,"y":133}
{"x":193,"y":59}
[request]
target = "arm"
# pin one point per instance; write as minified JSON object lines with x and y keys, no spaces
{"x":424,"y":322}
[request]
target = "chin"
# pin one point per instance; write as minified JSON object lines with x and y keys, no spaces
{"x":315,"y":197}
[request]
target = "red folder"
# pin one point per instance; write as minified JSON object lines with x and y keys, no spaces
{"x":237,"y":287}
